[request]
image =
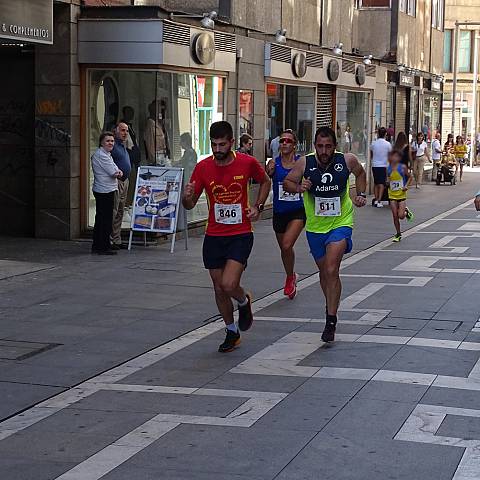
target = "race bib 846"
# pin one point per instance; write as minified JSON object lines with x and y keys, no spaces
{"x":228,"y":214}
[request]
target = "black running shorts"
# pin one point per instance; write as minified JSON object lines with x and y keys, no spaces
{"x":217,"y":250}
{"x":281,"y":220}
{"x":379,"y":175}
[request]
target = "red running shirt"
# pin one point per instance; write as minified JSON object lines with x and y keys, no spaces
{"x":227,"y":192}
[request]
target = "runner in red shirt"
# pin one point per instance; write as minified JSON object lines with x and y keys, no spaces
{"x":228,"y":240}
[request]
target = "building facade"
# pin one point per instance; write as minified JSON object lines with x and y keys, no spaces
{"x":465,"y":11}
{"x":40,"y":118}
{"x":153,"y":64}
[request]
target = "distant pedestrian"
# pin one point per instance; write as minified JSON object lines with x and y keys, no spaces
{"x":460,"y":152}
{"x":275,"y":146}
{"x":105,"y":174}
{"x":246,"y":144}
{"x":449,"y":145}
{"x":380,"y":149}
{"x":402,"y":145}
{"x":399,"y":180}
{"x":436,"y":155}
{"x":122,"y":160}
{"x":189,"y":158}
{"x":476,"y":201}
{"x":420,"y":155}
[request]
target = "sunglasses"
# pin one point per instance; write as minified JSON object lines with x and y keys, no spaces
{"x":286,"y":140}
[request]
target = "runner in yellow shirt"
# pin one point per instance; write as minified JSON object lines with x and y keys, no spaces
{"x":398,"y":180}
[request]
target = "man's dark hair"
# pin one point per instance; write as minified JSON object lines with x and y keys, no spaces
{"x":103,"y":135}
{"x":245,"y":138}
{"x":221,"y":130}
{"x":382,"y":131}
{"x":326,"y":132}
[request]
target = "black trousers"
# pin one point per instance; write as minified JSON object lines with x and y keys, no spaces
{"x":103,"y":220}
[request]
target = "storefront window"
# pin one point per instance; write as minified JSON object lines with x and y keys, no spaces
{"x":246,"y":112}
{"x":292,"y":107}
{"x":413,"y":121}
{"x":431,"y":116}
{"x":352,"y":123}
{"x":169,"y":116}
{"x":378,"y":115}
{"x":390,"y":115}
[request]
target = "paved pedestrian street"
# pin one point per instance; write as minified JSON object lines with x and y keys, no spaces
{"x":397,"y":396}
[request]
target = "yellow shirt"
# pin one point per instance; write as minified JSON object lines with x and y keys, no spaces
{"x":460,"y":151}
{"x":397,"y":181}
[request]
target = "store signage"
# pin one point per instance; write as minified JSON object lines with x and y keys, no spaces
{"x":157,"y":199}
{"x":333,"y":70}
{"x":360,"y":74}
{"x":203,"y":48}
{"x":435,"y":86}
{"x":299,"y":65}
{"x":406,"y":80}
{"x":27,"y":20}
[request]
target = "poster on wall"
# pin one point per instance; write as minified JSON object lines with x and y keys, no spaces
{"x":156,"y":205}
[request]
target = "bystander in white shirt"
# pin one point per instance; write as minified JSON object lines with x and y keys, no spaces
{"x":104,"y":172}
{"x":420,"y":149}
{"x":380,"y":149}
{"x":436,"y":150}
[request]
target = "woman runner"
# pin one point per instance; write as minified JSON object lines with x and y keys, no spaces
{"x":288,"y":212}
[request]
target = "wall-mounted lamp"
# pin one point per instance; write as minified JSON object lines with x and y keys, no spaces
{"x":281,"y":36}
{"x":401,"y":67}
{"x":208,"y":19}
{"x":367,"y":59}
{"x":338,"y":48}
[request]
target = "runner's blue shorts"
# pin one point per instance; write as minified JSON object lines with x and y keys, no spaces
{"x":318,"y":241}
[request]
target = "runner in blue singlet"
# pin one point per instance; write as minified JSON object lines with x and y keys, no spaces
{"x":288,"y":212}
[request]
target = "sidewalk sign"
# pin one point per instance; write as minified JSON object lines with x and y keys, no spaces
{"x":157,"y":203}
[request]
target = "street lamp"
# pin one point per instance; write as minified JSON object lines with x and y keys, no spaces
{"x":281,"y":36}
{"x":208,"y":19}
{"x":338,"y":48}
{"x":367,"y":59}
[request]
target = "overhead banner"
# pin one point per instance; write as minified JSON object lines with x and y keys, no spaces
{"x":27,"y":20}
{"x":157,"y":199}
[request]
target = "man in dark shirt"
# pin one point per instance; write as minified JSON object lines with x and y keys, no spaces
{"x":122,"y":160}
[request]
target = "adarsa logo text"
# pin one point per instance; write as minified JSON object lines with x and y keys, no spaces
{"x":326,"y":188}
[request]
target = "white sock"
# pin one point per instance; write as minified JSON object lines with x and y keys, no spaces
{"x":232,"y":327}
{"x":242,"y":303}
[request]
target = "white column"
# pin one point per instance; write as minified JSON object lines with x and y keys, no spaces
{"x":473,"y":124}
{"x":455,"y":69}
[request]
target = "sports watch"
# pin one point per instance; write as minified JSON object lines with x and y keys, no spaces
{"x":260,"y":206}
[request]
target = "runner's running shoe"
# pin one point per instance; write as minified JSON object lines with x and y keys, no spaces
{"x":232,"y":340}
{"x":245,"y":315}
{"x":328,"y":334}
{"x":409,"y":215}
{"x":290,"y":289}
{"x":397,"y":237}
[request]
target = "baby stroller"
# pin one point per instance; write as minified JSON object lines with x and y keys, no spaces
{"x":446,"y":170}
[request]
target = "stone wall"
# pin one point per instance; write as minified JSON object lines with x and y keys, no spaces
{"x":57,"y":129}
{"x":249,"y":76}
